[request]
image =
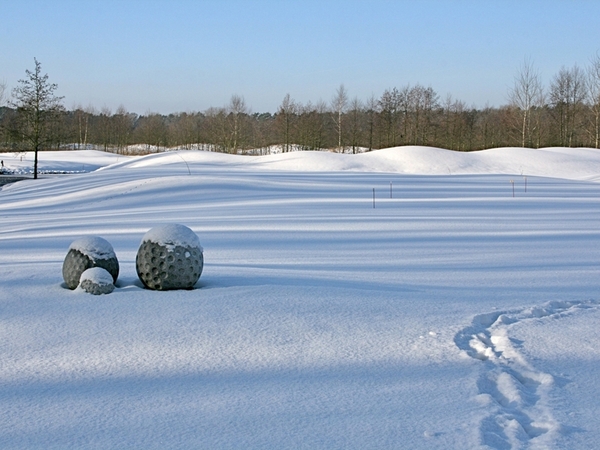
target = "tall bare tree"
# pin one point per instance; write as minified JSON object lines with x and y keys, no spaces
{"x":122,"y":125}
{"x":237,"y":115}
{"x":2,"y":92}
{"x":458,"y":124}
{"x":286,"y":116}
{"x":526,"y":95}
{"x":216,"y":129}
{"x":390,"y":109}
{"x":104,"y":128}
{"x":37,"y":108}
{"x":355,"y":123}
{"x":338,"y":105}
{"x":567,"y":94}
{"x":594,"y":98}
{"x":371,"y":108}
{"x":420,"y":105}
{"x":3,"y":120}
{"x":81,"y":124}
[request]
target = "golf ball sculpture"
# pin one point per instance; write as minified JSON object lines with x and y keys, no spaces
{"x":86,"y":253}
{"x":96,"y":281}
{"x":169,"y":257}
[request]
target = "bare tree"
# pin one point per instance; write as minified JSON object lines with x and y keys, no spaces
{"x":338,"y":105}
{"x":355,"y":123}
{"x":390,"y":108}
{"x":371,"y":109}
{"x":81,"y":124}
{"x":526,"y":95}
{"x":404,"y":110}
{"x":286,"y":117}
{"x":2,"y":119}
{"x":237,"y":115}
{"x":311,"y":126}
{"x":458,"y":124}
{"x":228,"y":128}
{"x":152,"y":131}
{"x":216,"y":129}
{"x":185,"y":130}
{"x":104,"y":128}
{"x":2,"y":92}
{"x":594,"y":98}
{"x":263,"y":132}
{"x":420,"y":104}
{"x":122,"y":125}
{"x":305,"y":126}
{"x":567,"y":94}
{"x":37,"y":108}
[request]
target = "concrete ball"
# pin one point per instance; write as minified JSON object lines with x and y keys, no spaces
{"x":86,"y":253}
{"x":170,"y":257}
{"x":96,"y":281}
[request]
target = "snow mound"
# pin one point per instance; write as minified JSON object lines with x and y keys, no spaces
{"x":566,"y":163}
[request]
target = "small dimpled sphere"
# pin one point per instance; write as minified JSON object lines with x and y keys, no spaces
{"x":170,"y":257}
{"x":86,"y":253}
{"x":96,"y":281}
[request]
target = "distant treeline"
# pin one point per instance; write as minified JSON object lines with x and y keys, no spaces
{"x":567,"y":113}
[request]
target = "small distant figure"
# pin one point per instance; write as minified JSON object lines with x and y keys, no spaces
{"x":2,"y":162}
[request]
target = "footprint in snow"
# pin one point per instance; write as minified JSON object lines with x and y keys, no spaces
{"x":518,"y":392}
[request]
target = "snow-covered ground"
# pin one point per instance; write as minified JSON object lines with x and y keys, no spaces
{"x":452,"y":315}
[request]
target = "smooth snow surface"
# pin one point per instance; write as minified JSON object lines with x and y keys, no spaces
{"x":94,"y":247}
{"x":404,"y":298}
{"x":172,"y":235}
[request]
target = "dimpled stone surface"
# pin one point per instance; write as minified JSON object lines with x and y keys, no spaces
{"x":164,"y":267}
{"x":96,"y":281}
{"x":76,"y":263}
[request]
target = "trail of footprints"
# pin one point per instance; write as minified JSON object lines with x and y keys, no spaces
{"x":519,"y":393}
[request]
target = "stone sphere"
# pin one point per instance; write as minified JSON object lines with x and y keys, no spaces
{"x":169,"y":257}
{"x":86,"y":253}
{"x":96,"y":281}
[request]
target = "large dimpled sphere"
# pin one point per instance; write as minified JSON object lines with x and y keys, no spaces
{"x":86,"y":253}
{"x":170,"y":257}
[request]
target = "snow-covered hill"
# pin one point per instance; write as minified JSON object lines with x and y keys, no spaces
{"x":570,"y":163}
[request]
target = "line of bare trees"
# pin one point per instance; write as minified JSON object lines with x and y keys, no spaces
{"x":566,"y":112}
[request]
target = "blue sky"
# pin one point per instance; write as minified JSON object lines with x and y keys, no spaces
{"x":183,"y":55}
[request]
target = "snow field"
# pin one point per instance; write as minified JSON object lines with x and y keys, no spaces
{"x":449,"y":316}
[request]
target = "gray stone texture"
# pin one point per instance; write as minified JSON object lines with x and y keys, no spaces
{"x":163,"y":267}
{"x":76,"y":263}
{"x":94,"y":286}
